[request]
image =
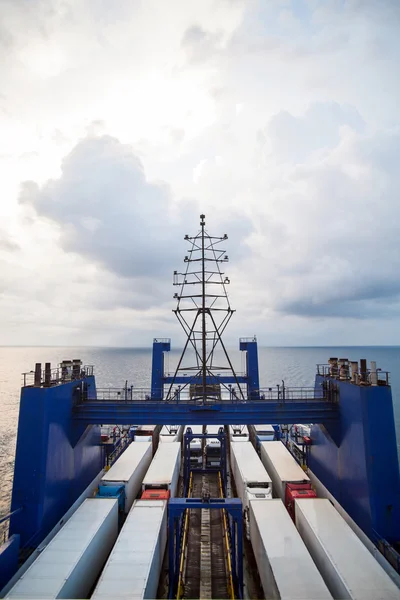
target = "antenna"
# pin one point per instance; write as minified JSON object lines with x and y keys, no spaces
{"x":203,"y":311}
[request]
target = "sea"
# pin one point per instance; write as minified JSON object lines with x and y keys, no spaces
{"x":116,"y":366}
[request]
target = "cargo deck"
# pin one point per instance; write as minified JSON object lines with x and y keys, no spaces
{"x":205,"y":570}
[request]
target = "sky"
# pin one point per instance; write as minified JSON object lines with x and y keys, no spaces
{"x":122,"y":122}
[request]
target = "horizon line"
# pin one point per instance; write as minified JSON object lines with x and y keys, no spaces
{"x":179,"y":348}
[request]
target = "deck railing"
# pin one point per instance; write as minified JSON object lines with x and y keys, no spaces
{"x":358,"y":378}
{"x":56,"y":376}
{"x":231,"y":394}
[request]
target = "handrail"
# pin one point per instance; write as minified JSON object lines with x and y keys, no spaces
{"x":185,"y":530}
{"x":231,"y":589}
{"x":278,"y":393}
{"x":57,"y":375}
{"x":13,"y":512}
{"x":345,"y":373}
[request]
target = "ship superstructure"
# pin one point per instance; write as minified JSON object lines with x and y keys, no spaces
{"x":204,"y":520}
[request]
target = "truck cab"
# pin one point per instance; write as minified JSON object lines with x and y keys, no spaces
{"x":296,"y":491}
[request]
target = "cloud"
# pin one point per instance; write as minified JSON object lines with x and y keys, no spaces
{"x":331,"y":244}
{"x":279,"y":121}
{"x":297,"y":138}
{"x":200,"y":44}
{"x":108,"y":212}
{"x":7,"y":244}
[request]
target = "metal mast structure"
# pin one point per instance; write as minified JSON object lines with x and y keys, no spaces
{"x":203,"y":310}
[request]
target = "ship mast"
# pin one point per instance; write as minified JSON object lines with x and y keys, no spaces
{"x":203,"y":310}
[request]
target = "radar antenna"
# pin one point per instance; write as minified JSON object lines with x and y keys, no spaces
{"x":203,"y":310}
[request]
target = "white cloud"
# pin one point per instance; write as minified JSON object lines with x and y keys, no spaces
{"x":197,"y":171}
{"x":278,"y":120}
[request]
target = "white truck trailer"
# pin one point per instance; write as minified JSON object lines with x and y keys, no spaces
{"x":70,"y":564}
{"x":171,"y":433}
{"x":281,"y":467}
{"x":251,"y":479}
{"x":264,"y":433}
{"x":129,"y":470}
{"x":134,"y":566}
{"x":238,"y":433}
{"x":285,"y":567}
{"x":163,"y":473}
{"x":347,"y":566}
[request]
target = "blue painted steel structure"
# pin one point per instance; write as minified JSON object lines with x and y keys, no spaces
{"x":187,"y":468}
{"x":9,"y":555}
{"x":57,"y":457}
{"x":159,"y":378}
{"x":59,"y":453}
{"x":249,"y":346}
{"x":257,"y":407}
{"x":176,"y":508}
{"x":227,"y":413}
{"x":157,"y":367}
{"x":356,"y":457}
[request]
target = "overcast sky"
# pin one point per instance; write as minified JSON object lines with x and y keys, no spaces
{"x":122,"y":121}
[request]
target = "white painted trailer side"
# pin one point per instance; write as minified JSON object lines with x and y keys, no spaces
{"x":163,"y":472}
{"x":134,"y":566}
{"x":281,"y":467}
{"x":69,"y":566}
{"x":239,"y":433}
{"x":129,"y":470}
{"x":286,"y":569}
{"x":171,"y":433}
{"x":349,"y":569}
{"x":251,"y":478}
{"x":265,"y":433}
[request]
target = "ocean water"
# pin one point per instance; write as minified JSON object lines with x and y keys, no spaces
{"x":115,"y":366}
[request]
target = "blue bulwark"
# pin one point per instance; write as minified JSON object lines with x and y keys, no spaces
{"x":356,"y":458}
{"x":57,"y":457}
{"x":9,"y":559}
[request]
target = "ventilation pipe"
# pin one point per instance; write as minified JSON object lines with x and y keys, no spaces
{"x":363,"y":370}
{"x":343,"y":368}
{"x":354,"y":372}
{"x":38,"y":375}
{"x":333,"y":367}
{"x":374,"y":375}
